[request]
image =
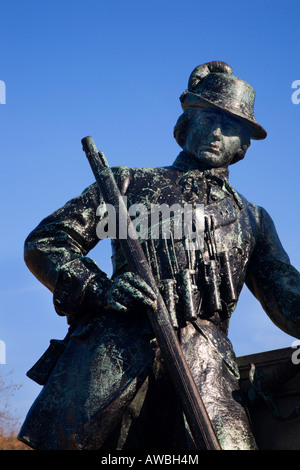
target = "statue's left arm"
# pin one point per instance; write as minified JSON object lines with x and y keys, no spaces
{"x":273,"y":280}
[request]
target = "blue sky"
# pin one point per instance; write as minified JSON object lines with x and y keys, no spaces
{"x":115,"y":70}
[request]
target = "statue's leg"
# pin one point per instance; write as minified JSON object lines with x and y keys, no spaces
{"x":95,"y":379}
{"x":212,"y":361}
{"x":154,"y":420}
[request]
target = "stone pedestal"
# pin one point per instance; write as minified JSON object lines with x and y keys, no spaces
{"x":270,"y":432}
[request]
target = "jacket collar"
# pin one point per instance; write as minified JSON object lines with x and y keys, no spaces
{"x":185,"y":164}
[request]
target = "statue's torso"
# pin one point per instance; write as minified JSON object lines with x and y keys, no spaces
{"x":229,"y":233}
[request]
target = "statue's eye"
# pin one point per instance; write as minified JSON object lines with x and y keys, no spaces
{"x":230,"y":126}
{"x":206,"y":121}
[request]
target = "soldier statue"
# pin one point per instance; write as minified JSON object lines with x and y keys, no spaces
{"x":109,"y":387}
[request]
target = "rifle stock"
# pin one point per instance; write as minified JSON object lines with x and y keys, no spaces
{"x":192,"y":403}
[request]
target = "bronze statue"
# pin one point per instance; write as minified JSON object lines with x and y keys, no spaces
{"x":106,"y":385}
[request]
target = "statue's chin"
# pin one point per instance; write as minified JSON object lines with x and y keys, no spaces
{"x":207,"y":159}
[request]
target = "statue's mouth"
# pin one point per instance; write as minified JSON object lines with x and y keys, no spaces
{"x":213,"y":148}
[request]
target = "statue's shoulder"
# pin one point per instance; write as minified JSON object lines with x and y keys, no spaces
{"x":140,"y":177}
{"x":122,"y":172}
{"x":152,"y":175}
{"x":254,"y":211}
{"x":151,"y":170}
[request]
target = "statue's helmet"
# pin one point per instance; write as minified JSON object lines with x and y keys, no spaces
{"x":213,"y":85}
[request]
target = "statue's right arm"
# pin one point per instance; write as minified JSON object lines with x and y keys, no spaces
{"x":55,"y":252}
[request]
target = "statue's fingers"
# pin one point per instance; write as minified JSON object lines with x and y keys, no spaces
{"x":137,"y":282}
{"x":137,"y":295}
{"x":118,"y":300}
{"x":114,"y":305}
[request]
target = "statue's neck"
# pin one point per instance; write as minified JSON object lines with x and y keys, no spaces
{"x":185,"y":162}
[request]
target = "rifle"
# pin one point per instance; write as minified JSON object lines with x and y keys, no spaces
{"x":193,"y":406}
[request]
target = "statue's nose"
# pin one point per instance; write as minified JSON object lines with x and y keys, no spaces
{"x":216,"y":132}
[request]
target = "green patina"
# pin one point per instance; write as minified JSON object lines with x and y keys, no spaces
{"x":106,"y":386}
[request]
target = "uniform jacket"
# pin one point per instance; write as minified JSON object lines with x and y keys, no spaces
{"x":56,"y":251}
{"x":112,"y":361}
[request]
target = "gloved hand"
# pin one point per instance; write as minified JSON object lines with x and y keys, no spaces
{"x":80,"y":290}
{"x":128,"y":292}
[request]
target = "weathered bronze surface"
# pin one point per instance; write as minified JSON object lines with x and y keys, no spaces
{"x":108,"y":387}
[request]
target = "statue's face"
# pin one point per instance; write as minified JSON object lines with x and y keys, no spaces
{"x":214,"y":138}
